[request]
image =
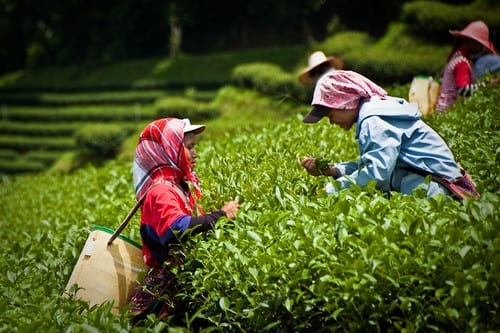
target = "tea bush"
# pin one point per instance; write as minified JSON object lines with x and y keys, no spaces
{"x":294,"y":259}
{"x":182,"y":107}
{"x":100,"y":139}
{"x":271,"y":80}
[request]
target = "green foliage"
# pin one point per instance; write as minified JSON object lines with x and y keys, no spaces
{"x":294,"y":259}
{"x":16,"y":97}
{"x":11,"y":166}
{"x":345,"y":42}
{"x":100,"y":139}
{"x":181,"y":107}
{"x":397,"y":57}
{"x":476,"y":146}
{"x":25,"y":143}
{"x":269,"y":79}
{"x":133,"y":112}
{"x":207,"y":71}
{"x":433,"y":19}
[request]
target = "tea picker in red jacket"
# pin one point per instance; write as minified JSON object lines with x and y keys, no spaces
{"x":163,"y":172}
{"x":459,"y":79}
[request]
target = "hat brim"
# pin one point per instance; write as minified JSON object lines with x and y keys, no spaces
{"x":486,"y":44}
{"x":306,"y":78}
{"x":316,"y":114}
{"x":196,"y":129}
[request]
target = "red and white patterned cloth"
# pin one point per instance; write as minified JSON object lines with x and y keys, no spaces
{"x":160,"y":154}
{"x":457,"y":76}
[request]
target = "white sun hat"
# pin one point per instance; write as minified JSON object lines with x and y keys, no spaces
{"x":190,"y":128}
{"x":315,"y":60}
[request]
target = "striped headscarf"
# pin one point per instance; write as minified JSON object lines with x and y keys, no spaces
{"x":160,"y":154}
{"x":344,"y":89}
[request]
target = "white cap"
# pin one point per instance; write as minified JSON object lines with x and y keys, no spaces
{"x":188,"y":127}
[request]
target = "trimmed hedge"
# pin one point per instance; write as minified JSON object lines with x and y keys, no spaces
{"x":271,"y":80}
{"x":181,"y":107}
{"x":51,"y":128}
{"x":81,"y":113}
{"x":432,"y":20}
{"x":100,"y":139}
{"x":397,"y":57}
{"x":26,"y":143}
{"x":8,"y":166}
{"x":79,"y":98}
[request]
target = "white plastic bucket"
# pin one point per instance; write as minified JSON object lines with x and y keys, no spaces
{"x":107,"y":272}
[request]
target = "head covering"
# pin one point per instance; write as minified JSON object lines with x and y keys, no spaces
{"x":160,"y":154}
{"x":478,"y":31}
{"x":188,"y":127}
{"x":315,"y":60}
{"x":341,"y":90}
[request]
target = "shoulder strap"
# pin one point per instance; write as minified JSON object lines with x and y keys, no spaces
{"x":130,"y":214}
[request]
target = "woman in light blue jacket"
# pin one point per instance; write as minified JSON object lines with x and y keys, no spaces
{"x":397,"y":149}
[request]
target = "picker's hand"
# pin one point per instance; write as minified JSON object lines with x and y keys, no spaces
{"x":309,"y":163}
{"x":230,"y":208}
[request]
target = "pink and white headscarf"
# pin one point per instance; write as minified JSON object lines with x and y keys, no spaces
{"x":160,"y":154}
{"x":344,"y":89}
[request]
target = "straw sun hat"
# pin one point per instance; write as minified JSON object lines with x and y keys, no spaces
{"x":478,"y":31}
{"x":315,"y":60}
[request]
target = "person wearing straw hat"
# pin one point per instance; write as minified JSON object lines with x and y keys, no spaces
{"x":163,"y":166}
{"x":318,"y":64}
{"x":458,"y":77}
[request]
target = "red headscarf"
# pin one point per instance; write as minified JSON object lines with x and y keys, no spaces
{"x":160,"y":154}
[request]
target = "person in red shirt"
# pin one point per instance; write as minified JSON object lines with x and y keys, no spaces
{"x":458,"y":75}
{"x":163,"y":166}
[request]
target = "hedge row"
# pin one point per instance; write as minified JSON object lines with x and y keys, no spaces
{"x":270,"y":80}
{"x":432,"y":20}
{"x":80,"y":113}
{"x":9,"y":166}
{"x":42,"y":129}
{"x":25,"y":143}
{"x":128,"y":97}
{"x":96,"y":130}
{"x":181,"y":107}
{"x":397,"y":57}
{"x":60,"y":99}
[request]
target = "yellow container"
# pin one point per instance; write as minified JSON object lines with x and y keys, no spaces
{"x":425,"y":92}
{"x":107,"y":272}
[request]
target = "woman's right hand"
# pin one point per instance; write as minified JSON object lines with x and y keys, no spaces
{"x":309,"y":163}
{"x":230,"y":208}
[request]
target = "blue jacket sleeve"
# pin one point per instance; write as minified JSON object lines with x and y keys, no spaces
{"x":379,"y":146}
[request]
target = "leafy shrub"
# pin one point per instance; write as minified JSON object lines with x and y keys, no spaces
{"x":293,"y":260}
{"x":25,"y":143}
{"x":432,"y":19}
{"x":81,"y":113}
{"x":397,"y":57}
{"x":17,"y":166}
{"x":271,"y":80}
{"x":345,"y":42}
{"x":8,"y":154}
{"x":181,"y":107}
{"x":100,"y":139}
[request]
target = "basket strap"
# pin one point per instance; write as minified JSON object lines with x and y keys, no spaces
{"x":131,"y":213}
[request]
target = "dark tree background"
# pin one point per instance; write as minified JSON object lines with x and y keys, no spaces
{"x":92,"y":32}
